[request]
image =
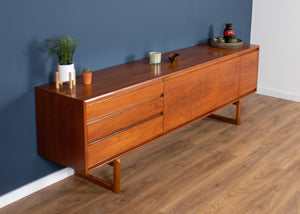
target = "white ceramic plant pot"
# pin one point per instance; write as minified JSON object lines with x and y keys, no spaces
{"x":64,"y":72}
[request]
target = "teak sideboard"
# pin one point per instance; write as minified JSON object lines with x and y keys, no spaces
{"x":131,"y":105}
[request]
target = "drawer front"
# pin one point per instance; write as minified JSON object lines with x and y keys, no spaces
{"x":116,"y":104}
{"x":124,"y":141}
{"x":124,"y":119}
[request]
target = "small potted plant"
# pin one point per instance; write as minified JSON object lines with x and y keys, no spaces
{"x":64,"y":48}
{"x":87,"y":76}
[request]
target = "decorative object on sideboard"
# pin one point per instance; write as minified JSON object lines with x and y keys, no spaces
{"x":215,"y":42}
{"x":228,"y":32}
{"x":228,"y":41}
{"x":87,"y":76}
{"x":173,"y":57}
{"x":221,"y":40}
{"x":64,"y":48}
{"x":71,"y":81}
{"x":232,"y":39}
{"x":154,"y":57}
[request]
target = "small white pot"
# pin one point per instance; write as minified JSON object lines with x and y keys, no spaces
{"x":64,"y":72}
{"x":155,"y":57}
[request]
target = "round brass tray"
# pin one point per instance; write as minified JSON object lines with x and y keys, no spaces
{"x":218,"y":44}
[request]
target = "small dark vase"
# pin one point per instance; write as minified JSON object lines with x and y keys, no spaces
{"x":228,"y":32}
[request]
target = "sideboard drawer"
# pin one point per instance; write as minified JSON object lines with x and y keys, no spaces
{"x":124,"y":119}
{"x":125,"y":141}
{"x":119,"y":103}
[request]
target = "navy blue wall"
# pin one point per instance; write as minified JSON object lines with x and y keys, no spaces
{"x":111,"y":32}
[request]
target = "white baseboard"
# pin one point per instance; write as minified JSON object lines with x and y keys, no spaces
{"x":34,"y":186}
{"x":279,"y":94}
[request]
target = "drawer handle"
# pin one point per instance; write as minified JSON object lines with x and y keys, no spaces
{"x":94,"y":121}
{"x":130,"y":127}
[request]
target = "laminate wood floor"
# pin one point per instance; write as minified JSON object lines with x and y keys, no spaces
{"x":207,"y":167}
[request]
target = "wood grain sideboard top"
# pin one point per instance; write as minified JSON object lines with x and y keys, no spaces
{"x":112,"y":80}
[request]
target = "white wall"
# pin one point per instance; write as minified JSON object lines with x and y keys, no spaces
{"x":276,"y":28}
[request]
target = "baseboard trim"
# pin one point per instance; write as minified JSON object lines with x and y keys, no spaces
{"x":34,"y":186}
{"x":279,"y":94}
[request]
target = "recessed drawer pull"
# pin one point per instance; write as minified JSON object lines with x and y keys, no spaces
{"x":101,"y":109}
{"x":122,"y":111}
{"x":124,"y":141}
{"x":113,"y":123}
{"x":130,"y":127}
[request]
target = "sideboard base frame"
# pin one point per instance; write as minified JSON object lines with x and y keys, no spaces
{"x":238,"y":114}
{"x":116,"y":164}
{"x":115,"y":186}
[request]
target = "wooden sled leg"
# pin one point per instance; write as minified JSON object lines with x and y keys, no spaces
{"x":117,"y":176}
{"x":238,"y":114}
{"x":115,"y":186}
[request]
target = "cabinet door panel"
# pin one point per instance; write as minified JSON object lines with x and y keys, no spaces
{"x":228,"y":81}
{"x":189,"y":96}
{"x":249,"y":67}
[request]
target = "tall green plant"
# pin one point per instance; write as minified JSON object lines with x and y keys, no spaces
{"x":64,"y":48}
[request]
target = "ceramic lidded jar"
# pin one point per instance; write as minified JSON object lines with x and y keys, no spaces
{"x":228,"y":32}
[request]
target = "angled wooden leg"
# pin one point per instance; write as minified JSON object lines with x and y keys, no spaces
{"x":115,"y":186}
{"x":238,"y":114}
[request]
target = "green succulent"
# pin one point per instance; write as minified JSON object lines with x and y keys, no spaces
{"x":86,"y":70}
{"x":64,"y":48}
